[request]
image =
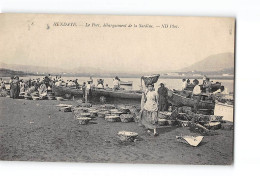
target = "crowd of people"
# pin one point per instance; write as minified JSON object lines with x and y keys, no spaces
{"x":152,"y":101}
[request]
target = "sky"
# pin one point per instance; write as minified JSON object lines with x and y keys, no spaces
{"x":32,"y":39}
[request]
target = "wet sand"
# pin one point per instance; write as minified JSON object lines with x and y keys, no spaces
{"x":38,"y":131}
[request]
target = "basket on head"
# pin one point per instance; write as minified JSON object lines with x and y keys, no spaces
{"x":151,"y":79}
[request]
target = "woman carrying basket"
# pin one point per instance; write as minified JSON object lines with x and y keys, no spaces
{"x":149,"y":113}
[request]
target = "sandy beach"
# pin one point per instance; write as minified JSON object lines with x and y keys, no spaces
{"x":38,"y":131}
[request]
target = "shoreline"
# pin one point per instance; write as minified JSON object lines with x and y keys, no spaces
{"x":38,"y":131}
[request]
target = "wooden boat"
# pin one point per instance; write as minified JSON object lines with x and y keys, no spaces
{"x":97,"y":93}
{"x":62,"y":91}
{"x":126,"y":83}
{"x":179,"y":100}
{"x":214,"y":87}
{"x":121,"y":94}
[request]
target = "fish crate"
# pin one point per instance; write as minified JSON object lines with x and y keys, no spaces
{"x":115,"y":112}
{"x":112,"y":118}
{"x":93,"y":113}
{"x":171,"y":122}
{"x":183,"y":123}
{"x":102,"y":114}
{"x":83,"y":120}
{"x":66,"y":109}
{"x":108,"y":106}
{"x":213,"y":125}
{"x":127,"y":136}
{"x":125,"y":118}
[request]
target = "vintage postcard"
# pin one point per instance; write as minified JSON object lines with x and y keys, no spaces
{"x":117,"y":89}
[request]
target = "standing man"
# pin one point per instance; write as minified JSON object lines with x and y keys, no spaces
{"x":116,"y":83}
{"x":196,"y":94}
{"x":184,"y":84}
{"x":163,"y":93}
{"x":84,"y":91}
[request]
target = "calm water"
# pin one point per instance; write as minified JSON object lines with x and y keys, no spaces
{"x":169,"y":83}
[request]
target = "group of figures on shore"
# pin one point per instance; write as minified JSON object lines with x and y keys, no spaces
{"x":151,"y":103}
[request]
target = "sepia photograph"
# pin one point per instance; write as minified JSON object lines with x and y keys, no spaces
{"x":117,"y":89}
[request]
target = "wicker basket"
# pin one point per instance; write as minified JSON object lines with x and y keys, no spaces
{"x":51,"y":97}
{"x":66,"y":109}
{"x":127,"y":136}
{"x":125,"y":118}
{"x":151,"y":79}
{"x":213,"y":125}
{"x":108,"y":106}
{"x":112,"y":118}
{"x":164,"y":115}
{"x":115,"y":112}
{"x":26,"y":97}
{"x":83,"y":120}
{"x":84,"y":114}
{"x":93,"y":113}
{"x":171,"y":122}
{"x":125,"y":111}
{"x":103,"y":114}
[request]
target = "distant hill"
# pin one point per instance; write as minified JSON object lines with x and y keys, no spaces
{"x":213,"y":63}
{"x":31,"y":68}
{"x":9,"y":73}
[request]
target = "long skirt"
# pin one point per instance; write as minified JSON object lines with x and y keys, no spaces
{"x":149,"y":119}
{"x":11,"y":92}
{"x":16,"y":91}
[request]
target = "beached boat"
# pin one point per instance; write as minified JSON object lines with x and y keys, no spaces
{"x":122,"y":94}
{"x":214,"y":87}
{"x":97,"y":93}
{"x":180,"y":100}
{"x":126,"y":83}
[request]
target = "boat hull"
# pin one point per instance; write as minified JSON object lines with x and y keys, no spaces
{"x":179,"y":100}
{"x":97,"y":93}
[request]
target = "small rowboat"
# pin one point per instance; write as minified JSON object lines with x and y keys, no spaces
{"x":126,"y":83}
{"x":214,"y":87}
